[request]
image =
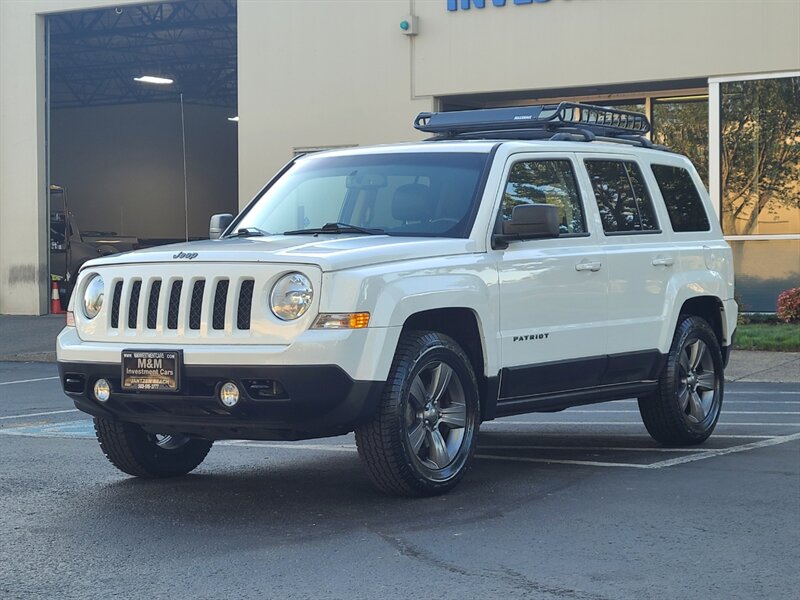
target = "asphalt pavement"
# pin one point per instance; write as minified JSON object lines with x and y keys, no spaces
{"x":580,"y":504}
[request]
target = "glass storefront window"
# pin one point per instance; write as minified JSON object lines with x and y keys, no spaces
{"x":635,"y":106}
{"x":760,"y":162}
{"x":681,"y":124}
{"x":764,"y":268}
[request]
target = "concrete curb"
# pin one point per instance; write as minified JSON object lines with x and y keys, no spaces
{"x":43,"y":357}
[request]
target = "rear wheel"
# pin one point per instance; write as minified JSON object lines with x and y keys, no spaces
{"x":422,"y":439}
{"x":136,"y":452}
{"x":685,"y":408}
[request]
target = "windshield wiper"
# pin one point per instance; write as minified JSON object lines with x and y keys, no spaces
{"x":247,"y":232}
{"x":336,"y":228}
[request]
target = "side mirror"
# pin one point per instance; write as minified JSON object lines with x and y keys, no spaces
{"x":528,"y":222}
{"x":219,"y":223}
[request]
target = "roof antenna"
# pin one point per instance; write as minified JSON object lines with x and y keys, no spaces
{"x":185,"y":187}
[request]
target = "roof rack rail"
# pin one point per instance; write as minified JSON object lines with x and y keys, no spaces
{"x":557,"y":122}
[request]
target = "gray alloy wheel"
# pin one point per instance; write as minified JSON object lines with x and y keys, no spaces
{"x":697,"y":385}
{"x":136,"y":452}
{"x":686,"y":406}
{"x":436,"y":415}
{"x":170,"y":442}
{"x":421,"y":440}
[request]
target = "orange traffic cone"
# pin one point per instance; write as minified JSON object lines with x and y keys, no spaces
{"x":55,"y":300}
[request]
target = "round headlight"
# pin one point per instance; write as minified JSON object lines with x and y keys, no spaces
{"x":93,"y":297}
{"x":291,"y":296}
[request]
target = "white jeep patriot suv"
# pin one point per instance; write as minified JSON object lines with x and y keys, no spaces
{"x":521,"y":260}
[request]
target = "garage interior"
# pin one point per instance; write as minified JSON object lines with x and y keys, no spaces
{"x":142,"y":126}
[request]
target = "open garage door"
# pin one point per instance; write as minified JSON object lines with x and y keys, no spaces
{"x":142,"y":126}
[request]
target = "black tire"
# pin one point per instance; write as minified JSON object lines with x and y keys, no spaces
{"x":685,"y":409}
{"x":135,"y":452}
{"x":415,"y":446}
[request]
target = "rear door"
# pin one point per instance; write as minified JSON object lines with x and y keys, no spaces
{"x":553,"y":292}
{"x":640,"y":260}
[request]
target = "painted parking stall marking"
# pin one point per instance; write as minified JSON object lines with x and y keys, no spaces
{"x":27,"y":380}
{"x":579,"y":436}
{"x":39,"y":414}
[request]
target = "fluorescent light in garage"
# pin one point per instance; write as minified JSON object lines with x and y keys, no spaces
{"x":153,"y":79}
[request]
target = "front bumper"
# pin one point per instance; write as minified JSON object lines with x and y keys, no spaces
{"x":310,"y":401}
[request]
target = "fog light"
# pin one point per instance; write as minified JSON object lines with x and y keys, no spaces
{"x":229,"y":394}
{"x":102,"y":390}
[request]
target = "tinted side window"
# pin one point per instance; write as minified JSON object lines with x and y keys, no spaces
{"x":685,"y":208}
{"x":622,"y":197}
{"x":546,"y":182}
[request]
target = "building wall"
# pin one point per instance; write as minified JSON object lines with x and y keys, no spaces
{"x":23,"y":180}
{"x":316,"y":73}
{"x":324,"y":73}
{"x":564,"y":43}
{"x":123,"y":167}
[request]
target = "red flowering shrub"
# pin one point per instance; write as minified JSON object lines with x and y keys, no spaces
{"x":789,"y":306}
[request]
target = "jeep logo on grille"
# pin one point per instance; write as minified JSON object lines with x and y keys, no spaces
{"x":187,"y":255}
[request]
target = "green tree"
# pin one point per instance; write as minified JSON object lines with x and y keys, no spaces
{"x":760,"y":151}
{"x":682,"y":126}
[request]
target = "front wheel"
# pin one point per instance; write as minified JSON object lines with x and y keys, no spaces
{"x":422,"y":438}
{"x":136,"y":452}
{"x":685,"y":408}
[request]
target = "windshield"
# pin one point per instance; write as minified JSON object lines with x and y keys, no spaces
{"x":407,"y":194}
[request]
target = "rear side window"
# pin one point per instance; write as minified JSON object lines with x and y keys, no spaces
{"x":622,"y":198}
{"x":546,"y":182}
{"x":685,"y":208}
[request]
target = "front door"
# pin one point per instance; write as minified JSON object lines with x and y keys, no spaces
{"x":553,"y":292}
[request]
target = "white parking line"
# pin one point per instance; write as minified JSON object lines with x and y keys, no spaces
{"x":723,"y":451}
{"x":28,"y":380}
{"x":639,"y":423}
{"x":701,"y":455}
{"x":586,"y":463}
{"x":726,"y":402}
{"x":727,"y":412}
{"x":764,"y":393}
{"x":40,"y":414}
{"x":285,"y":445}
{"x":586,"y":448}
{"x":761,"y":402}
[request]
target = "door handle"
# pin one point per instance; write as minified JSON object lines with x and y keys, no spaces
{"x":588,"y":266}
{"x":664,"y":261}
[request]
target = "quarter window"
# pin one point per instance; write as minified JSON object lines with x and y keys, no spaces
{"x":622,"y":198}
{"x":546,"y":182}
{"x":685,"y":208}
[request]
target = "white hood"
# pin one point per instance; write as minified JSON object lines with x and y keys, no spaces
{"x":330,"y":252}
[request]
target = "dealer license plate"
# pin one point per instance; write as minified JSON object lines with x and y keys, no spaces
{"x":151,"y":370}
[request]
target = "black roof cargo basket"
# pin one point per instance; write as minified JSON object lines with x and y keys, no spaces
{"x":564,"y":121}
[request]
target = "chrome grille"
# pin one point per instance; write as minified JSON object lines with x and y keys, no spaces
{"x":184,"y":305}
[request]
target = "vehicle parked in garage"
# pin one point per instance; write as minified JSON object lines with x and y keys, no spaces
{"x":522,"y":260}
{"x":70,"y":248}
